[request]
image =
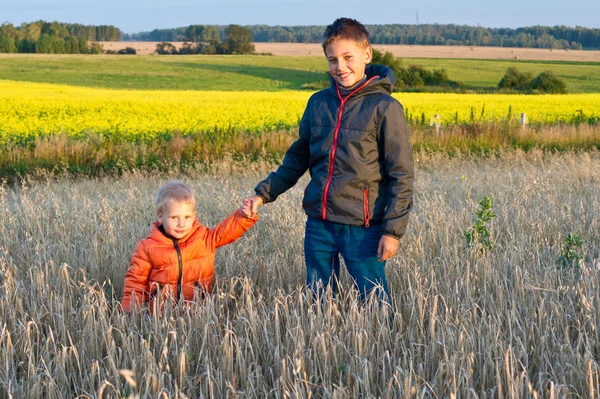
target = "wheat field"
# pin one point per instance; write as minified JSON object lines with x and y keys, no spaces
{"x":463,"y":323}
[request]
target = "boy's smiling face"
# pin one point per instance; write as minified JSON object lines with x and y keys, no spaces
{"x":178,"y":218}
{"x":347,"y":61}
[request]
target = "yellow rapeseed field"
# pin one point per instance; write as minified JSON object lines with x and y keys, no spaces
{"x":539,"y":109}
{"x":29,"y":110}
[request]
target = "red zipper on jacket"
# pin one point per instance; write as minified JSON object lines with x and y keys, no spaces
{"x":366,"y":207}
{"x":335,"y":139}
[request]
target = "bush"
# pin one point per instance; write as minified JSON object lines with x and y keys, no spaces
{"x":545,"y":82}
{"x":165,"y":48}
{"x":388,"y":59}
{"x":127,"y":50}
{"x":210,"y":47}
{"x":439,"y":78}
{"x":548,"y":82}
{"x":187,"y":48}
{"x":415,"y":75}
{"x":96,"y":48}
{"x":513,"y":79}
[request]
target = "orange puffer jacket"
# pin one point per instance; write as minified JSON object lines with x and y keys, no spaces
{"x":162,"y":265}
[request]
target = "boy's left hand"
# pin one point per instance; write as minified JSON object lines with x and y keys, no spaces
{"x":388,"y":246}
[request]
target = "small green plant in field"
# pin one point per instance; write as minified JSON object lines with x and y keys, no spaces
{"x":478,"y":234}
{"x":572,"y":251}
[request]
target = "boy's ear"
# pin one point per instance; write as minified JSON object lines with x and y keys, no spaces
{"x":368,"y":55}
{"x":159,"y":217}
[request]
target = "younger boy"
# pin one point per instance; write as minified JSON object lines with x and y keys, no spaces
{"x":178,"y":256}
{"x":354,"y":142}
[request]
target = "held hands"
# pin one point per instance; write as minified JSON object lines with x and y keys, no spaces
{"x":250,"y":206}
{"x":388,"y":246}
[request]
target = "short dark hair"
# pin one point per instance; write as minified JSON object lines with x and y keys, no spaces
{"x":346,"y":28}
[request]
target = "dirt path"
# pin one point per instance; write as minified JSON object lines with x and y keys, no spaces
{"x":314,"y":49}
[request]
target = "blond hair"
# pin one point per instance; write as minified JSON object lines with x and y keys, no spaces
{"x":346,"y":28}
{"x":173,"y":191}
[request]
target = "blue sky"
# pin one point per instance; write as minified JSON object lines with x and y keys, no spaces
{"x":143,"y":15}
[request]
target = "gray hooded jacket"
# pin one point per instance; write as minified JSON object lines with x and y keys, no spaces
{"x":358,"y":152}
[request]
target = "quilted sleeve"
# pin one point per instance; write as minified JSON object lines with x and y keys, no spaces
{"x":229,"y":230}
{"x":135,"y":288}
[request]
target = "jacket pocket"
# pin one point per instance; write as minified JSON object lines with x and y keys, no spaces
{"x":366,"y":214}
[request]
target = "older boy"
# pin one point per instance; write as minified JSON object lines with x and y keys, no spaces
{"x":354,"y":141}
{"x":178,"y":256}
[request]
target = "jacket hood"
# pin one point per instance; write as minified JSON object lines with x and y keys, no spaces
{"x":385,"y":78}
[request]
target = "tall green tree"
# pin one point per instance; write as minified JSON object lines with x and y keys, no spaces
{"x":239,"y":40}
{"x":194,"y":33}
{"x":8,"y":30}
{"x":46,"y":44}
{"x":32,"y":31}
{"x":7,"y":44}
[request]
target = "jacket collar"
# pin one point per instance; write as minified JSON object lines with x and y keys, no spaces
{"x":157,"y":233}
{"x":384,"y":80}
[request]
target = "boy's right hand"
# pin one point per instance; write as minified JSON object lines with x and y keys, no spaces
{"x":250,"y":205}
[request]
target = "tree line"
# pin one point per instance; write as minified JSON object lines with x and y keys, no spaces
{"x":558,"y":37}
{"x":200,"y":39}
{"x":55,"y":37}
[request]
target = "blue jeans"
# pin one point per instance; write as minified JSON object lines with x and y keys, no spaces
{"x":325,"y":241}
